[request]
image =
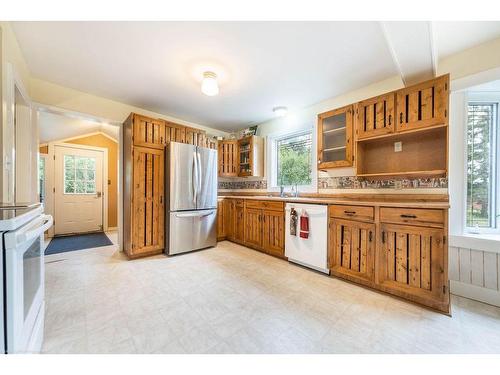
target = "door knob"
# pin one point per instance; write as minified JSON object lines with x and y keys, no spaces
{"x":98,"y":194}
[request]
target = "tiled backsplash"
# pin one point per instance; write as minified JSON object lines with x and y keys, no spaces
{"x":353,"y":182}
{"x":350,"y":182}
{"x":234,"y":185}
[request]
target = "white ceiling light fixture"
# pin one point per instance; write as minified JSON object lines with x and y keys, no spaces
{"x":209,"y":85}
{"x":280,"y":111}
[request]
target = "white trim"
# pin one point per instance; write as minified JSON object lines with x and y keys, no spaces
{"x":483,"y":242}
{"x":52,"y":146}
{"x":80,"y":136}
{"x":74,"y":114}
{"x":478,"y":293}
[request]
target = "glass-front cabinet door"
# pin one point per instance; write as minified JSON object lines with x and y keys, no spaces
{"x":335,"y":138}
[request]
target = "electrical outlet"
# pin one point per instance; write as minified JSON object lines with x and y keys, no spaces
{"x":398,"y":146}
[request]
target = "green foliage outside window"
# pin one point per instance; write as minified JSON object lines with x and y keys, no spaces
{"x":294,"y":160}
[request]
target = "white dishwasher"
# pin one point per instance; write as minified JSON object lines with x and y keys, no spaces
{"x":312,"y":251}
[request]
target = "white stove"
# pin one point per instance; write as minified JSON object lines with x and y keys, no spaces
{"x":21,"y":232}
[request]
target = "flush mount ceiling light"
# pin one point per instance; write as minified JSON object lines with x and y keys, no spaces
{"x":280,"y":111}
{"x":209,"y":85}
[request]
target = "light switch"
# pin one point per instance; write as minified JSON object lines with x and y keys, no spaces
{"x":398,"y":146}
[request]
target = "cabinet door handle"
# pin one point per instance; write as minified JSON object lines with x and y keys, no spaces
{"x":383,"y":237}
{"x":350,"y":213}
{"x":390,"y":118}
{"x":370,"y":236}
{"x":408,"y":216}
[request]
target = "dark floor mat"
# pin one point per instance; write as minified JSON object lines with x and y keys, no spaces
{"x":77,"y":242}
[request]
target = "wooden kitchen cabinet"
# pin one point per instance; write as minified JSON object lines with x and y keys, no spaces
{"x":335,"y":147}
{"x":147,"y":132}
{"x":273,"y":232}
{"x":264,"y":226}
{"x":352,"y":249}
{"x":146,"y":234}
{"x":228,"y":158}
{"x":221,"y":220}
{"x":253,"y":227}
{"x":194,"y":136}
{"x":251,"y":156}
{"x":412,"y":263}
{"x":175,"y":132}
{"x":239,"y":221}
{"x":375,"y":116}
{"x":423,"y":105}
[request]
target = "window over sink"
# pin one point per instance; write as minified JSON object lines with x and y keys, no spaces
{"x":291,"y":160}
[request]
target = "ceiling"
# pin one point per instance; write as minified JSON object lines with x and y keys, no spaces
{"x":158,"y":65}
{"x":56,"y":127}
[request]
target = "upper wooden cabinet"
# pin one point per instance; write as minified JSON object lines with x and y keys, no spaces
{"x":147,"y":132}
{"x":335,"y":138}
{"x":423,"y":105}
{"x":251,"y":156}
{"x":375,"y":116}
{"x":228,"y":158}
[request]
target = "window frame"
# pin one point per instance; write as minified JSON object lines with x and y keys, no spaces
{"x":272,"y":159}
{"x":485,"y":98}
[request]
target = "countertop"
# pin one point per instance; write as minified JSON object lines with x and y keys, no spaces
{"x":357,"y":201}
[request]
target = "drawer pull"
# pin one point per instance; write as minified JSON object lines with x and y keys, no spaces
{"x":409,"y":216}
{"x":350,"y":213}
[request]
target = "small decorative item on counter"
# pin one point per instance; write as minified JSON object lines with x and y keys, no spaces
{"x":293,"y":222}
{"x":304,"y":224}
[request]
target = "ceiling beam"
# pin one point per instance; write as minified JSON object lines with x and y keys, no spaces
{"x":412,"y":47}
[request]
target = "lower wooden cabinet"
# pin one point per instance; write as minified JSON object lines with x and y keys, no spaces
{"x":239,"y":222}
{"x":352,"y":249}
{"x":253,"y":227}
{"x":221,"y":220}
{"x":273,"y":232}
{"x":412,"y":263}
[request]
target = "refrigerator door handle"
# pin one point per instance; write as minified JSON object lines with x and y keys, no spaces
{"x":198,"y":162}
{"x":195,"y":178}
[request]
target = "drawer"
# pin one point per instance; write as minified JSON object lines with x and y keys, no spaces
{"x":266,"y":205}
{"x":415,"y":216}
{"x":365,"y":213}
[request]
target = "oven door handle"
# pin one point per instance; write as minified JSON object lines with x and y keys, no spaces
{"x":32,"y":231}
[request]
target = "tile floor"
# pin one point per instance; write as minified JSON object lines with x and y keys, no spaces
{"x":231,"y":299}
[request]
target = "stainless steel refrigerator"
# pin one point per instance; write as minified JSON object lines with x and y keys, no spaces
{"x":192,"y":198}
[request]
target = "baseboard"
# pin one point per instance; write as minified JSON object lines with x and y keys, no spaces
{"x":477,"y":293}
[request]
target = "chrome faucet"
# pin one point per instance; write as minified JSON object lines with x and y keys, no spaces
{"x":282,"y":191}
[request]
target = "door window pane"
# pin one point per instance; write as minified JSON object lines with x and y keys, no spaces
{"x":79,"y":175}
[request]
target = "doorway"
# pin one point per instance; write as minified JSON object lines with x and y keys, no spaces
{"x":79,"y":190}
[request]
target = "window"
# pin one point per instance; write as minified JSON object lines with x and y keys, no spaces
{"x":482,"y":210}
{"x":79,"y":175}
{"x":41,"y":178}
{"x":293,"y":163}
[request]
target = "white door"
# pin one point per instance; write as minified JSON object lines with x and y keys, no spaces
{"x":78,"y":190}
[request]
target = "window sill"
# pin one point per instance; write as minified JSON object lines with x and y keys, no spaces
{"x":482,"y":242}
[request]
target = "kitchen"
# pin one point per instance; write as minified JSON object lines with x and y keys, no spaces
{"x":340,"y":222}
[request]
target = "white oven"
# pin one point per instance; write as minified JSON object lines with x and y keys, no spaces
{"x":23,"y":249}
